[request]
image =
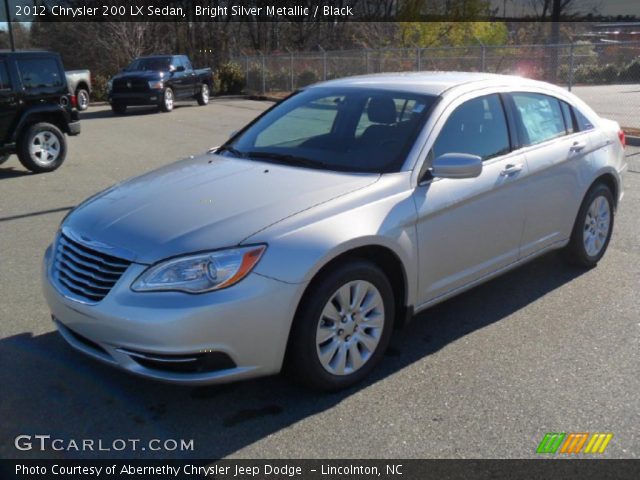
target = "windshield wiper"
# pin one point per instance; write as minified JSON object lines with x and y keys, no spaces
{"x":288,"y":159}
{"x":230,"y":149}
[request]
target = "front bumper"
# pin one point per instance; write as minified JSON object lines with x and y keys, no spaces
{"x":137,"y":331}
{"x":152,"y":97}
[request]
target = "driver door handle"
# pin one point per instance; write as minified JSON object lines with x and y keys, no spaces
{"x":577,"y":146}
{"x":511,"y":169}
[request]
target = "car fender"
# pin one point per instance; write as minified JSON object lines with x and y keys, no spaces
{"x":381,"y":215}
{"x":46,"y":111}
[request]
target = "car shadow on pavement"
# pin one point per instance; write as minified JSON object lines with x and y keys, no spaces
{"x":50,"y":389}
{"x":131,"y":112}
{"x":11,"y":172}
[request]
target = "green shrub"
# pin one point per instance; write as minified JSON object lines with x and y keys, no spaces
{"x":99,"y":88}
{"x":231,"y":78}
{"x":631,"y":72}
{"x":306,"y":77}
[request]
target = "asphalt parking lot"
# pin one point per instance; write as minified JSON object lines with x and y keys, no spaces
{"x":546,"y":348}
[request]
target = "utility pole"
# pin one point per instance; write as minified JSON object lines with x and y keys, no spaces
{"x":6,"y":7}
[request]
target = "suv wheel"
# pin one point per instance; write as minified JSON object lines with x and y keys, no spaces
{"x":592,"y":229}
{"x":203,"y":96}
{"x":343,"y":328}
{"x":167,"y":100}
{"x":83,"y":99}
{"x":42,"y":148}
{"x":119,"y":109}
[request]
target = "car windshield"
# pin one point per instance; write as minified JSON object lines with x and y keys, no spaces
{"x":157,"y":64}
{"x":346,"y":129}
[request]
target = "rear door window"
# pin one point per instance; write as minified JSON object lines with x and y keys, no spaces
{"x":39,"y":73}
{"x":541,"y":117}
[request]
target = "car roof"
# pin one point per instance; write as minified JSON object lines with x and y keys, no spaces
{"x":432,"y":83}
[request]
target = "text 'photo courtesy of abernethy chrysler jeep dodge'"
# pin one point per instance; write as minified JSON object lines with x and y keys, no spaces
{"x":327,"y":222}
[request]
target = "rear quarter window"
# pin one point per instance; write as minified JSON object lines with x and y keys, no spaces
{"x":40,"y":73}
{"x":583,"y":122}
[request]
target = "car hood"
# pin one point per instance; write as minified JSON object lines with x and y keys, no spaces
{"x":202,"y":203}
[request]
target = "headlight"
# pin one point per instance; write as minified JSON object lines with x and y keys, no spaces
{"x":202,"y":272}
{"x":155,"y":84}
{"x":109,"y":85}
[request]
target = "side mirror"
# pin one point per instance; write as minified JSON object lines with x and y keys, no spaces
{"x":457,"y":165}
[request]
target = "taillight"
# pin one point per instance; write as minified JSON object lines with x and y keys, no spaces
{"x":621,"y":137}
{"x":74,"y":101}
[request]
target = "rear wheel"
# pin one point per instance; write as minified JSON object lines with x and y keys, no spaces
{"x":203,"y":96}
{"x":42,"y":148}
{"x":167,"y":100}
{"x":119,"y":109}
{"x":83,"y":99}
{"x":343,"y":327}
{"x":593,"y":227}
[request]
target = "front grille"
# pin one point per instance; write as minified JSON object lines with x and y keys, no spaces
{"x":130,"y":86}
{"x":88,"y":274}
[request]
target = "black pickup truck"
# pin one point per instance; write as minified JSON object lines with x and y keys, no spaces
{"x":36,"y":110}
{"x":159,"y":80}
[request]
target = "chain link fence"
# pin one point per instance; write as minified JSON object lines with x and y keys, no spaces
{"x":606,"y":74}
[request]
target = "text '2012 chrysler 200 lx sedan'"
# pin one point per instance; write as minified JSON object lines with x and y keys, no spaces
{"x":327,"y":221}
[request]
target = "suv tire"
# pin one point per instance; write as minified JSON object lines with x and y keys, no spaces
{"x":42,"y":148}
{"x":119,"y":109}
{"x":168,"y":99}
{"x":203,"y":95}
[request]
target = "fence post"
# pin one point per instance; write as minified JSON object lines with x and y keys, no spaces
{"x":291,"y":66}
{"x":324,"y":62}
{"x":366,"y":56}
{"x":571,"y":65}
{"x":264,"y":80}
{"x":418,"y":59}
{"x":246,"y":69}
{"x":483,"y":64}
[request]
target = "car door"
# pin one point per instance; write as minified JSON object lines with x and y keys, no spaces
{"x":553,"y":149}
{"x":191,"y":79}
{"x":8,"y":102}
{"x":469,"y":228}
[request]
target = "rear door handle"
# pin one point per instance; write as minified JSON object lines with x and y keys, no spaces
{"x":511,"y":169}
{"x":577,"y":147}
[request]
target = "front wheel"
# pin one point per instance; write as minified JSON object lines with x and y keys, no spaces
{"x":343,"y":327}
{"x":167,"y":100}
{"x":203,"y":96}
{"x":593,"y":227}
{"x":42,"y":148}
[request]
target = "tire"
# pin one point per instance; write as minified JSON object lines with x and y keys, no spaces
{"x":314,"y":333}
{"x":167,"y":100}
{"x":119,"y":109}
{"x":203,"y":96}
{"x":82,"y":96}
{"x":592,"y":228}
{"x":42,"y":148}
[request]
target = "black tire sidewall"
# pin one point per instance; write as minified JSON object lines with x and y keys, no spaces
{"x":163,"y":104}
{"x":119,"y":109}
{"x":25,"y":140}
{"x":303,"y":360}
{"x":577,"y":250}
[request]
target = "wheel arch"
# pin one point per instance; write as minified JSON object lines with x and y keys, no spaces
{"x":82,"y":85}
{"x":608,"y":179}
{"x":55,"y":116}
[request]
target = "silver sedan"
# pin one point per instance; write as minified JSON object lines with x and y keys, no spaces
{"x":330,"y":220}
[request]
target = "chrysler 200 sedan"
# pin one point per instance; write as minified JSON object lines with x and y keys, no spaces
{"x":328,"y":221}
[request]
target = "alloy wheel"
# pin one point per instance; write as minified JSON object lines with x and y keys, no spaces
{"x":596,"y":226}
{"x":44,"y":148}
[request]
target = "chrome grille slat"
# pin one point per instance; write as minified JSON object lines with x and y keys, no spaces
{"x":70,"y":257}
{"x":83,"y":252}
{"x":87,"y":274}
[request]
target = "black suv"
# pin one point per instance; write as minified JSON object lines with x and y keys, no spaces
{"x":36,"y":109}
